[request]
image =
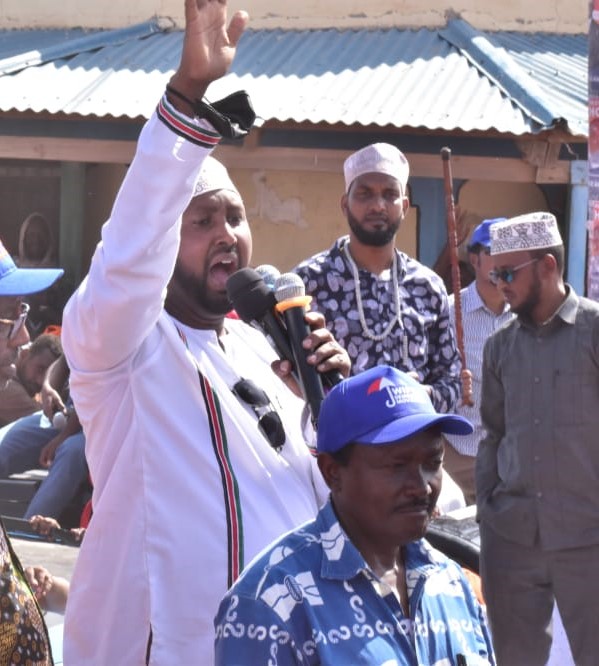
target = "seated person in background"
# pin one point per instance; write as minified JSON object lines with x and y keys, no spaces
{"x":36,"y":243}
{"x":50,"y":591}
{"x":68,"y":475}
{"x":24,"y":637}
{"x":32,"y":442}
{"x":18,"y":394}
{"x":45,"y":525}
{"x":360,"y":584}
{"x":15,"y":283}
{"x":37,"y":249}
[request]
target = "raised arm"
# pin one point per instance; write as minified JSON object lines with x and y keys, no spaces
{"x":121,"y":299}
{"x":208,"y":49}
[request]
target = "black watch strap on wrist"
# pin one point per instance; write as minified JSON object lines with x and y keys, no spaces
{"x":232,"y":117}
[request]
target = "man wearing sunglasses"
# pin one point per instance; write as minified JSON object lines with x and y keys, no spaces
{"x":537,"y":467}
{"x":179,"y":404}
{"x":24,"y":634}
{"x":15,"y":284}
{"x":19,"y":394}
{"x":484,"y":310}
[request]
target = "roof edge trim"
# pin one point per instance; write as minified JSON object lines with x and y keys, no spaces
{"x":496,"y":64}
{"x":91,"y":42}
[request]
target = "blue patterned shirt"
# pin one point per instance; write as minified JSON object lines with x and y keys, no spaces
{"x":310,"y":598}
{"x":422,"y":341}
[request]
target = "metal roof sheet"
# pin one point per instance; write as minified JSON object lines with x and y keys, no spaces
{"x":558,"y":63}
{"x":455,"y":78}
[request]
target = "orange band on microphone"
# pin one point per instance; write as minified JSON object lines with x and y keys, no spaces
{"x":296,"y":301}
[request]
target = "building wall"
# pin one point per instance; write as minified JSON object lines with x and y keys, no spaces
{"x":292,"y":198}
{"x":19,"y":199}
{"x":102,"y":184}
{"x":293,"y":209}
{"x":568,"y":16}
{"x":293,"y":214}
{"x":482,"y":200}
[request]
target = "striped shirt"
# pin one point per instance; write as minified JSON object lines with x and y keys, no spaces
{"x":478,"y":323}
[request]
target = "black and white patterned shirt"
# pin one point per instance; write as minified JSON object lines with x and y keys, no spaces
{"x":421,"y":341}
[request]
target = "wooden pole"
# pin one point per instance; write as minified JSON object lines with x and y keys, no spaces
{"x":452,"y":245}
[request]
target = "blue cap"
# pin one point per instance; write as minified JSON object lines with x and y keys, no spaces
{"x":22,"y":281}
{"x":380,"y":406}
{"x":482,"y":234}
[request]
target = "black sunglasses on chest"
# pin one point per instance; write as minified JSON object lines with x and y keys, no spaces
{"x":269,"y":421}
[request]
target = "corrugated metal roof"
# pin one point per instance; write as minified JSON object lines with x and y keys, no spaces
{"x":450,"y":79}
{"x":559,"y":63}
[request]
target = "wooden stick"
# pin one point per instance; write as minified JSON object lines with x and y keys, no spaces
{"x":452,"y":245}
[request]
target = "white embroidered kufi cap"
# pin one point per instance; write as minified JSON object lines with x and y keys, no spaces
{"x":533,"y":231}
{"x":213,"y":176}
{"x":377,"y":158}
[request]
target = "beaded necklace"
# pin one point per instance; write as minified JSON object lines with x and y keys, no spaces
{"x":356,"y":275}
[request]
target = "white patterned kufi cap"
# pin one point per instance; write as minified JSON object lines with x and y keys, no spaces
{"x":533,"y":231}
{"x":377,"y":158}
{"x":213,"y":176}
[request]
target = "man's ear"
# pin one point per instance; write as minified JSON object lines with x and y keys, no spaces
{"x":549,"y":263}
{"x":473,"y":259}
{"x":329,"y":468}
{"x":405,"y":204}
{"x":343,"y":205}
{"x":24,"y":354}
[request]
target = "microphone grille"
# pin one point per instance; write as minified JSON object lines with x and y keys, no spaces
{"x":289,"y":285}
{"x":269,"y":274}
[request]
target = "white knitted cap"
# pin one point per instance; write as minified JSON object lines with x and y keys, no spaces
{"x":213,"y":176}
{"x":532,"y":231}
{"x":377,"y":158}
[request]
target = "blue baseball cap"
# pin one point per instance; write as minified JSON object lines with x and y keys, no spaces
{"x":22,"y":281}
{"x":482,"y":234}
{"x":380,"y":406}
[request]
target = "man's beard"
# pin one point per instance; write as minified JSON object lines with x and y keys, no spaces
{"x":195,"y":287}
{"x":531,"y":301}
{"x":375,"y":237}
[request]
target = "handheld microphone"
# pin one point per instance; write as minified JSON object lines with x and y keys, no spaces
{"x":255,"y":303}
{"x":269,"y":274}
{"x":292,"y":301}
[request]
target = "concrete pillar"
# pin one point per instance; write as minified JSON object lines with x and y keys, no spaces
{"x":428,"y":195}
{"x":577,"y":228}
{"x":72,"y":219}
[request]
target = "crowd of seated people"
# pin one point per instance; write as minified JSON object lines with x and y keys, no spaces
{"x":39,"y":428}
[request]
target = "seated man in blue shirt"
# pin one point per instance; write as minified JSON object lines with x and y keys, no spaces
{"x":360,"y":585}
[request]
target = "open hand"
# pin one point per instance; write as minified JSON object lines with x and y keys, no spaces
{"x":209,"y":45}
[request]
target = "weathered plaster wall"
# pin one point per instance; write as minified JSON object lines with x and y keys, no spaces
{"x":568,"y":16}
